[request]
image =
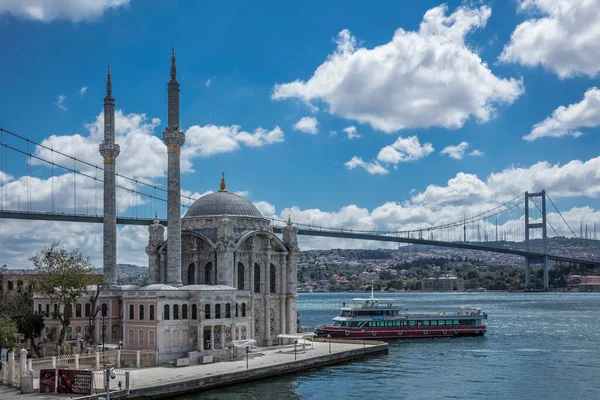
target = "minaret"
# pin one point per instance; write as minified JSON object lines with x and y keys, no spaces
{"x":174,"y":139}
{"x":109,"y":150}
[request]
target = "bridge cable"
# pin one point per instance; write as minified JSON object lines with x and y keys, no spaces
{"x":559,"y":213}
{"x":549,"y":223}
{"x":155,"y":187}
{"x":68,"y":169}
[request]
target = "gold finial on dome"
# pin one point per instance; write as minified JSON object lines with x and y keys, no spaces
{"x":223,"y":184}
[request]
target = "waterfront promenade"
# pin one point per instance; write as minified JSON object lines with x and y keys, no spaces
{"x":159,"y":382}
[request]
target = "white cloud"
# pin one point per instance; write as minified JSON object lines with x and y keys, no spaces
{"x":459,"y":151}
{"x":404,"y":150}
{"x":46,"y":11}
{"x":373,"y":168}
{"x":419,"y":79}
{"x":574,"y":179}
{"x":60,"y":102}
{"x":208,"y":81}
{"x":83,"y":90}
{"x":351,"y":132}
{"x":205,"y":141}
{"x":266,"y":209}
{"x":333,"y":133}
{"x":134,"y":133}
{"x":307,"y":125}
{"x":565,"y":40}
{"x":567,"y":120}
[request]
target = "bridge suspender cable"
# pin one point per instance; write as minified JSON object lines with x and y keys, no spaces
{"x":559,"y":213}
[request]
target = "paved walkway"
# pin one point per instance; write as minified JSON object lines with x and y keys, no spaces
{"x":268,"y":357}
{"x":145,"y":377}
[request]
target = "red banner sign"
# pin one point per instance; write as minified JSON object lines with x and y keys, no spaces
{"x":47,"y":380}
{"x":74,"y":381}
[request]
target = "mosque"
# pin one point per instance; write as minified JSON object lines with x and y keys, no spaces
{"x":221,"y":274}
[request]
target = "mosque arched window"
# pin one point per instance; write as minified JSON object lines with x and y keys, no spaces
{"x":217,"y":311}
{"x":39,"y":308}
{"x":256,"y":278}
{"x":243,"y":309}
{"x":151,"y":313}
{"x":227,"y":310}
{"x":273,"y":279}
{"x":88,"y":309}
{"x":240,"y":276}
{"x":131,"y":311}
{"x":191,"y":274}
{"x":207,"y":311}
{"x":184,"y":311}
{"x":208,"y":273}
{"x":141,"y":312}
{"x":236,"y":310}
{"x":166,"y":312}
{"x":176,"y":311}
{"x":194,"y":311}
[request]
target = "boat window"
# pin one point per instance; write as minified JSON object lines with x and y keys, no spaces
{"x":434,"y":322}
{"x":455,"y":322}
{"x":448,"y":322}
{"x":441,"y":322}
{"x":426,"y":323}
{"x":345,"y":313}
{"x":419,"y":323}
{"x":412,"y":323}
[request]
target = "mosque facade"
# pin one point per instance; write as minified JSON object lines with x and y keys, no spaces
{"x":220,"y":275}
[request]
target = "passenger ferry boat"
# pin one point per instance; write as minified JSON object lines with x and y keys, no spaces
{"x":381,"y":319}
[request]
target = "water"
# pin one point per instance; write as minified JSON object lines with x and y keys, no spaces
{"x":537,"y":346}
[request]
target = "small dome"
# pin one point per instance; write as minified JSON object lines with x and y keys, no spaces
{"x":129,"y":287}
{"x":207,"y":287}
{"x":220,"y":203}
{"x":159,"y":286}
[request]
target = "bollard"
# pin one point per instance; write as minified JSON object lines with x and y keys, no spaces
{"x":53,"y":362}
{"x":11,"y":366}
{"x":127,"y":381}
{"x":76,"y":361}
{"x":119,"y":358}
{"x":97,"y":361}
{"x":137,"y":359}
{"x":22,"y":363}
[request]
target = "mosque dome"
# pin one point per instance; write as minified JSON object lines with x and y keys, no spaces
{"x":220,"y":203}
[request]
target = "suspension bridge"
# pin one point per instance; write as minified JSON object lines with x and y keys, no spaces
{"x":53,"y":185}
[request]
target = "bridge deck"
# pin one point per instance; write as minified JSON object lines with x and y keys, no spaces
{"x":82,"y":218}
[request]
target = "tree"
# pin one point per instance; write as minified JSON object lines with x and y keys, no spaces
{"x":62,"y":278}
{"x":31,"y":325}
{"x":8,"y":334}
{"x":94,"y":310}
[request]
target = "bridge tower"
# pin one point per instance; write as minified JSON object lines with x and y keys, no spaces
{"x":539,"y":225}
{"x":109,"y":150}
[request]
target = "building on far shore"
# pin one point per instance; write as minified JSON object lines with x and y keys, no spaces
{"x":443,"y":284}
{"x":590,"y":284}
{"x":221,"y":274}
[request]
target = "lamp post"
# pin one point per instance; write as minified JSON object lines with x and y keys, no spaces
{"x":247,"y":355}
{"x":103,"y":325}
{"x":329,"y":339}
{"x":295,"y":343}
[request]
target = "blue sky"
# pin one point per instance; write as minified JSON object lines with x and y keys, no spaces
{"x":479,"y":72}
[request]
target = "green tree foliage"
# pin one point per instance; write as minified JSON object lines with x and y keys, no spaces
{"x":8,"y":334}
{"x":31,"y":325}
{"x":63,"y":277}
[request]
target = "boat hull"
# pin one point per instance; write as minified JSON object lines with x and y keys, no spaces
{"x":396,"y":334}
